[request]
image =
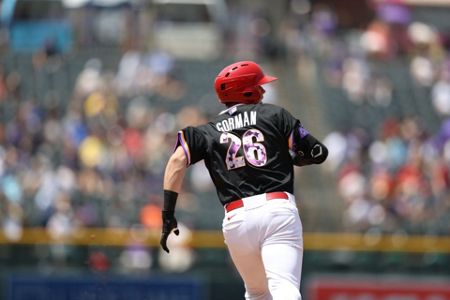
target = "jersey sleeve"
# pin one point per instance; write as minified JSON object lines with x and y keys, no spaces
{"x":287,"y":122}
{"x":193,"y":142}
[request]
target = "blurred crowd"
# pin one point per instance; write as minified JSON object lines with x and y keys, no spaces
{"x":395,"y":182}
{"x":350,"y":56}
{"x":393,"y":176}
{"x":95,"y":160}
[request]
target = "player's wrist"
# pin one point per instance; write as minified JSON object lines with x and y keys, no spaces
{"x":170,"y":201}
{"x":168,"y":215}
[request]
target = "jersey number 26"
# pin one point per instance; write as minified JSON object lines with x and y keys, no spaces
{"x":254,"y":151}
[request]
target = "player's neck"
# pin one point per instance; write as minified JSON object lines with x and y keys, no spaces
{"x":230,"y":104}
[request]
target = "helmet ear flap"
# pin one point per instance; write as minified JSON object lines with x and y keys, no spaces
{"x":253,"y":94}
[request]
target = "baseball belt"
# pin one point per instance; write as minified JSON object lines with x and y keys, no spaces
{"x":240,"y":203}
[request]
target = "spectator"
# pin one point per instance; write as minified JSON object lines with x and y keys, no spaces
{"x":441,"y":93}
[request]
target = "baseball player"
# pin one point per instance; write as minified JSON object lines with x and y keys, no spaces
{"x":250,"y":149}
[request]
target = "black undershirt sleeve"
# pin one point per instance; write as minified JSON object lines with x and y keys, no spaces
{"x":307,"y":150}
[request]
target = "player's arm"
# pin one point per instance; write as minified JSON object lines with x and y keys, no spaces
{"x":305,"y":148}
{"x":175,"y":170}
{"x":308,"y":150}
{"x":173,"y":179}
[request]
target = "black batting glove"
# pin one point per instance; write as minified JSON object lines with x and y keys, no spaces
{"x":169,"y":224}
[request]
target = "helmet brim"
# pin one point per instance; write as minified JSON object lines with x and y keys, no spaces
{"x":267,"y":79}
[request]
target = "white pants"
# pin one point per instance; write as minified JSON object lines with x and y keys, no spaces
{"x":265,"y":241}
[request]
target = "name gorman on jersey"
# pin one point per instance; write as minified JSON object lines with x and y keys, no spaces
{"x":241,"y":120}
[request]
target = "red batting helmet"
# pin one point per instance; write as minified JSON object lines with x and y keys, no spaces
{"x":240,"y":82}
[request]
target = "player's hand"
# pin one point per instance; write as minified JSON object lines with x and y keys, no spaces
{"x":169,"y":224}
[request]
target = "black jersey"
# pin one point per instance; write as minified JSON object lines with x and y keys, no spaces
{"x":246,"y":149}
